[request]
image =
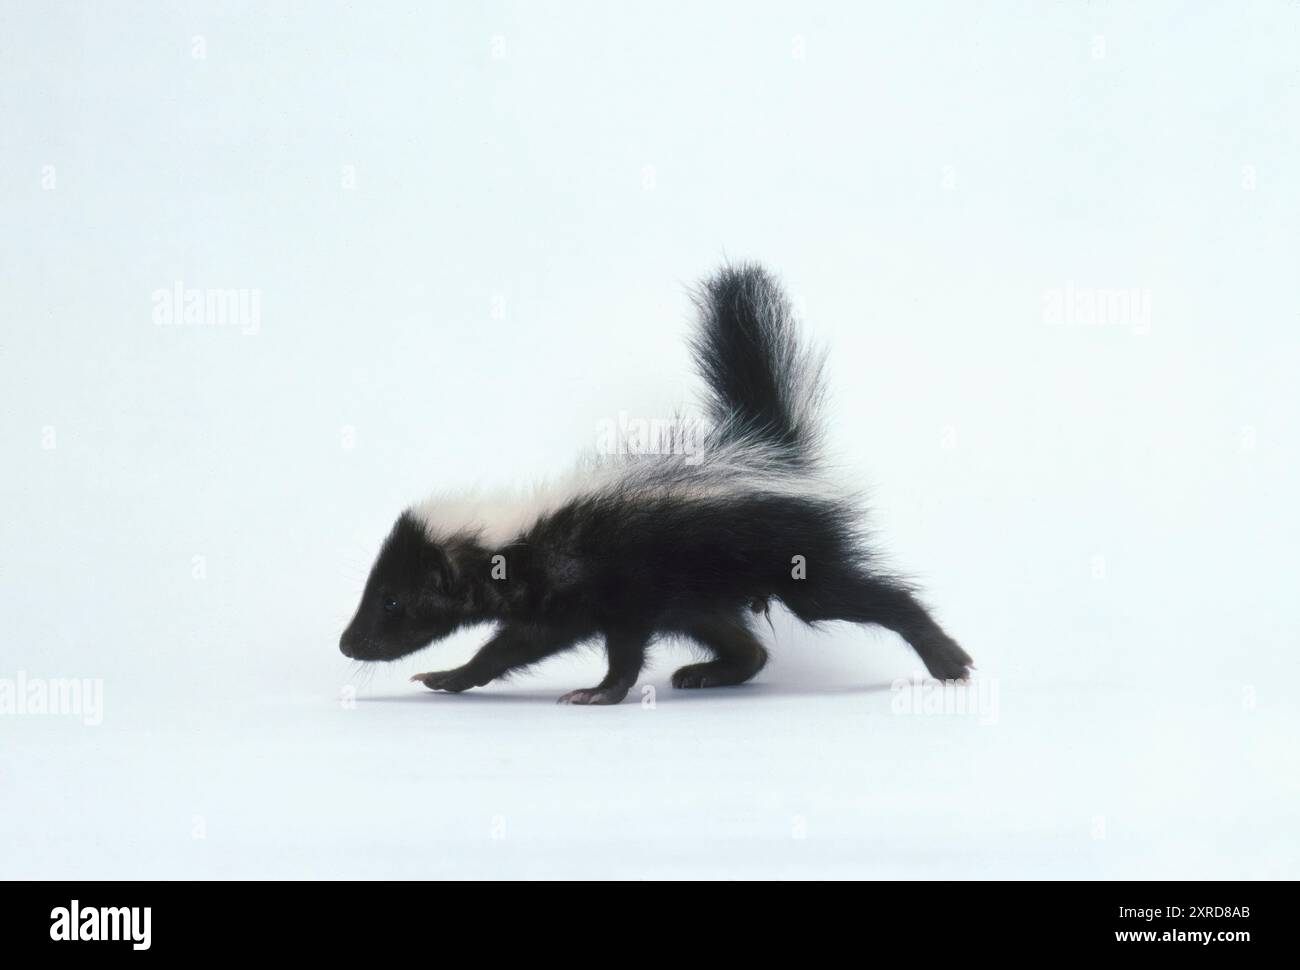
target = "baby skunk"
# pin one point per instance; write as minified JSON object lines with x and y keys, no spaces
{"x":688,"y":544}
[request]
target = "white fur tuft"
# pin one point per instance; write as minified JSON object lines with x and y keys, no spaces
{"x":736,"y":468}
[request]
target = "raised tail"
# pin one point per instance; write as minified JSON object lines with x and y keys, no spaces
{"x":763,"y":385}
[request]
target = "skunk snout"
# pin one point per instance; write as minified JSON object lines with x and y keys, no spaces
{"x":348,"y":644}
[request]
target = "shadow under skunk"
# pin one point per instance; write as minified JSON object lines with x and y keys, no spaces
{"x":631,"y":548}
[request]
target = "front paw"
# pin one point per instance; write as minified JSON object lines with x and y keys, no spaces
{"x":452,"y":681}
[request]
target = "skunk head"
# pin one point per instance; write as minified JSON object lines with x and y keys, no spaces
{"x":411,"y":597}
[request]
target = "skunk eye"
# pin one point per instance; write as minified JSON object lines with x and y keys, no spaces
{"x":390,"y":604}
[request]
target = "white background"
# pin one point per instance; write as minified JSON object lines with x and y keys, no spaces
{"x":471,"y":228}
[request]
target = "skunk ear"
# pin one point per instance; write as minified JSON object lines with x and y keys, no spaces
{"x":418,"y":554}
{"x":444,"y":570}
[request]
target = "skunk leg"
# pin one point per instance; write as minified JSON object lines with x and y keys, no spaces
{"x":626,"y":652}
{"x":739,"y":654}
{"x":514,"y":646}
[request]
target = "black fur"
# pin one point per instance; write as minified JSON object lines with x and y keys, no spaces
{"x":763,"y":384}
{"x":663,"y":545}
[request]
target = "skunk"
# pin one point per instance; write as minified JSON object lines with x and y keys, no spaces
{"x":692,"y":543}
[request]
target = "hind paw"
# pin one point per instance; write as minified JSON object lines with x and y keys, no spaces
{"x":945,"y":660}
{"x":712,"y":674}
{"x":694,"y":675}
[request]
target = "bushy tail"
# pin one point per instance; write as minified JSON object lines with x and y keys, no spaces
{"x":763,"y":385}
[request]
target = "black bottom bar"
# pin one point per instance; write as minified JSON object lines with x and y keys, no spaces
{"x":338,"y":919}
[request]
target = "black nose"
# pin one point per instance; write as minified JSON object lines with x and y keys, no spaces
{"x":345,"y":645}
